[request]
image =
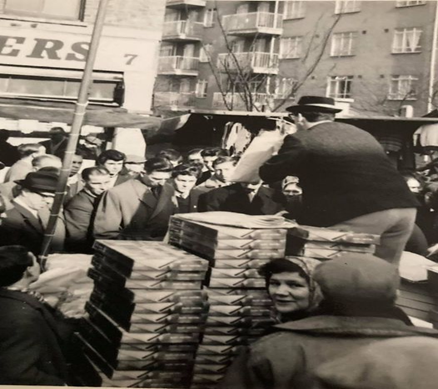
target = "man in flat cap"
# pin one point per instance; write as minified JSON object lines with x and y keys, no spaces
{"x":348,"y":181}
{"x":26,"y":222}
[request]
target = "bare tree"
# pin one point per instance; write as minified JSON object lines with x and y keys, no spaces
{"x":236,"y":80}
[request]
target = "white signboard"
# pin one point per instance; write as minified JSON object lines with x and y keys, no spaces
{"x":37,"y":47}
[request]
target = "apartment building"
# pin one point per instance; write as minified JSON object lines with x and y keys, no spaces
{"x":43,"y":47}
{"x":376,"y":57}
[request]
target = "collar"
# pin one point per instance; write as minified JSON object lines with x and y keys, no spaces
{"x":310,"y":125}
{"x":349,"y":325}
{"x":20,"y":202}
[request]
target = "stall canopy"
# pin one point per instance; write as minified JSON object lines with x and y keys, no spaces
{"x":62,"y":112}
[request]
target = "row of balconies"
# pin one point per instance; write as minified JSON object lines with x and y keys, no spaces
{"x":234,"y":101}
{"x":255,"y":62}
{"x":260,"y":23}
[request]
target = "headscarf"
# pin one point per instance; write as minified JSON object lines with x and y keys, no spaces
{"x":307,"y":265}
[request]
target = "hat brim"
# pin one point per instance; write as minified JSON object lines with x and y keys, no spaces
{"x":41,"y":188}
{"x":313,"y":108}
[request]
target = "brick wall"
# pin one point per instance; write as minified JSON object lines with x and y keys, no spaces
{"x":142,"y":14}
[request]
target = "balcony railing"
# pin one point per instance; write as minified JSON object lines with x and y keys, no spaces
{"x":236,"y":101}
{"x":178,"y":64}
{"x":256,"y":62}
{"x":254,"y":22}
{"x":186,"y":3}
{"x":183,"y":30}
{"x":174,"y":99}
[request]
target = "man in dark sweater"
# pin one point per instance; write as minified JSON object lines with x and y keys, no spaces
{"x":348,"y":182}
{"x":80,"y":211}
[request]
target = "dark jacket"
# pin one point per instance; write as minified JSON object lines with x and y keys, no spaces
{"x":21,"y":227}
{"x":133,"y":211}
{"x":60,"y":150}
{"x":233,"y":198}
{"x":79,"y":215}
{"x":30,"y":342}
{"x":8,"y":153}
{"x":343,"y":171}
{"x":289,"y":358}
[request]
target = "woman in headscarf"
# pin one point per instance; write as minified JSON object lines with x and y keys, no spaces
{"x":290,"y":284}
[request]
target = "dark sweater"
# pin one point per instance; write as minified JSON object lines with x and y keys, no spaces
{"x":343,"y":171}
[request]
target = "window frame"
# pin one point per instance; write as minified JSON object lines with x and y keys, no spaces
{"x":204,"y":53}
{"x":343,"y":6}
{"x":409,"y":3}
{"x":336,"y":94}
{"x":201,"y":89}
{"x":295,"y":50}
{"x":41,"y":15}
{"x":350,"y":40}
{"x":283,"y":88}
{"x":209,"y":17}
{"x":403,"y":32}
{"x":291,"y":13}
{"x":396,"y":95}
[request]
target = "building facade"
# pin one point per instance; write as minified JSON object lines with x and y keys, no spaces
{"x":375,"y":57}
{"x":43,"y":47}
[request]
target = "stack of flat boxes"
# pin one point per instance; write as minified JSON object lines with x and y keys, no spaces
{"x":240,"y":308}
{"x":324,"y":243}
{"x":145,"y":315}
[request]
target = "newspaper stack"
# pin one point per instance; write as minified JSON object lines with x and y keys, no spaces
{"x":240,"y":308}
{"x":325,"y":243}
{"x":145,"y":314}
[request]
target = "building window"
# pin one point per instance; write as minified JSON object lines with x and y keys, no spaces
{"x":205,"y":53}
{"x":291,"y":47}
{"x":343,"y":44}
{"x":294,"y":10}
{"x":400,"y":4}
{"x":55,"y":88}
{"x":403,"y":88}
{"x":407,"y":40}
{"x":49,"y":9}
{"x":209,"y":16}
{"x":347,"y":6}
{"x":284,"y":88}
{"x":201,"y":88}
{"x":339,"y":87}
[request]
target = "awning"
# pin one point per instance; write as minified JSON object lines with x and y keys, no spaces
{"x":62,"y":112}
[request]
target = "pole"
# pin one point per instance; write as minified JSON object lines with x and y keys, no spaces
{"x":433,"y":61}
{"x":78,"y":119}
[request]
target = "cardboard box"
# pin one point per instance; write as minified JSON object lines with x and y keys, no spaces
{"x":328,"y":235}
{"x":118,"y":281}
{"x":217,"y":232}
{"x":237,"y":283}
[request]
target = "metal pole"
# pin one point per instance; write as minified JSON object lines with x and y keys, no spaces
{"x":78,"y":119}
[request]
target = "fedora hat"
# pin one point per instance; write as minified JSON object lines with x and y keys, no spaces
{"x":40,"y":182}
{"x":314,"y":104}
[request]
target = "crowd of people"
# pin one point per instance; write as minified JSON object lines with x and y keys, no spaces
{"x":337,"y":325}
{"x":126,"y":196}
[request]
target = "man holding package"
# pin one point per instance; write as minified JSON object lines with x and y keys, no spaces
{"x":348,"y":181}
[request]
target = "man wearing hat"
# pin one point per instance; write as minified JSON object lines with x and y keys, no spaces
{"x":134,"y":165}
{"x":91,"y":147}
{"x":348,"y":181}
{"x":31,"y":334}
{"x":57,"y":143}
{"x":25,"y":223}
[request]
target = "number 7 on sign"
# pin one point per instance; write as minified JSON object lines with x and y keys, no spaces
{"x":130,"y":58}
